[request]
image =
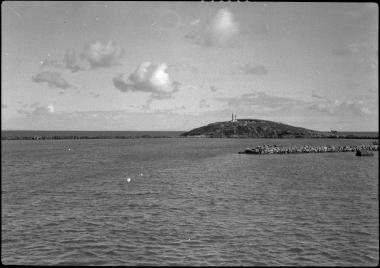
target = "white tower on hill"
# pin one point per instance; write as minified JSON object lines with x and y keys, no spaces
{"x":233,"y":118}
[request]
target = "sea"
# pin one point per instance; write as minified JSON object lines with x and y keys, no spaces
{"x":187,"y":201}
{"x":22,"y":134}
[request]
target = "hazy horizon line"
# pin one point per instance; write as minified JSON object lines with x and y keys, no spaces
{"x":163,"y":130}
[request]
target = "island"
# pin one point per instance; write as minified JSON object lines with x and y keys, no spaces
{"x":257,"y":128}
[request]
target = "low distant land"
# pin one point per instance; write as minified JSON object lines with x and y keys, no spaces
{"x":257,"y":128}
{"x":238,"y":128}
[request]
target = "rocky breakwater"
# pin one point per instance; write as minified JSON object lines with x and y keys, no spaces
{"x":274,"y":149}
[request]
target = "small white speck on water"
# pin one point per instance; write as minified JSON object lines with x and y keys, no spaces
{"x":141,"y":174}
{"x":69,"y":149}
{"x":128,"y":179}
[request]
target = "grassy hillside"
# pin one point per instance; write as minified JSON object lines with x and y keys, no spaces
{"x":253,"y":128}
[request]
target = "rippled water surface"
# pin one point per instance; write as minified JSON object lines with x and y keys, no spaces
{"x":189,"y":202}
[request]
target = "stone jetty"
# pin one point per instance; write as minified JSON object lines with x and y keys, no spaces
{"x":274,"y":149}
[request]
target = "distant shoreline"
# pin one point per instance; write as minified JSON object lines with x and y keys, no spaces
{"x":164,"y":136}
{"x":83,"y":135}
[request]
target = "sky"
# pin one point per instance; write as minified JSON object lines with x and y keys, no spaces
{"x":181,"y":65}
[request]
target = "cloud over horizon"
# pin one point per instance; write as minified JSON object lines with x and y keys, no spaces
{"x":343,"y":108}
{"x":259,"y":102}
{"x":93,"y":56}
{"x":258,"y":98}
{"x":38,"y":110}
{"x":183,"y":59}
{"x":100,"y":55}
{"x":148,"y":77}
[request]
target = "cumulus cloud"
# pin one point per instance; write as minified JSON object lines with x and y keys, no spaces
{"x":255,"y":70}
{"x":219,"y":31}
{"x":93,"y":56}
{"x":148,"y":77}
{"x":99,"y":55}
{"x":53,"y":79}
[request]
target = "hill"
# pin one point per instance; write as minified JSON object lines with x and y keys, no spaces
{"x":253,"y":128}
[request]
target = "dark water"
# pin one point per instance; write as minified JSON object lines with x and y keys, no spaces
{"x":189,"y":202}
{"x":359,"y":133}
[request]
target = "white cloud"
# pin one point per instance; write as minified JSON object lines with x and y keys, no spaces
{"x":102,"y":55}
{"x":53,"y":79}
{"x":148,"y":77}
{"x":93,"y":56}
{"x":219,"y":31}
